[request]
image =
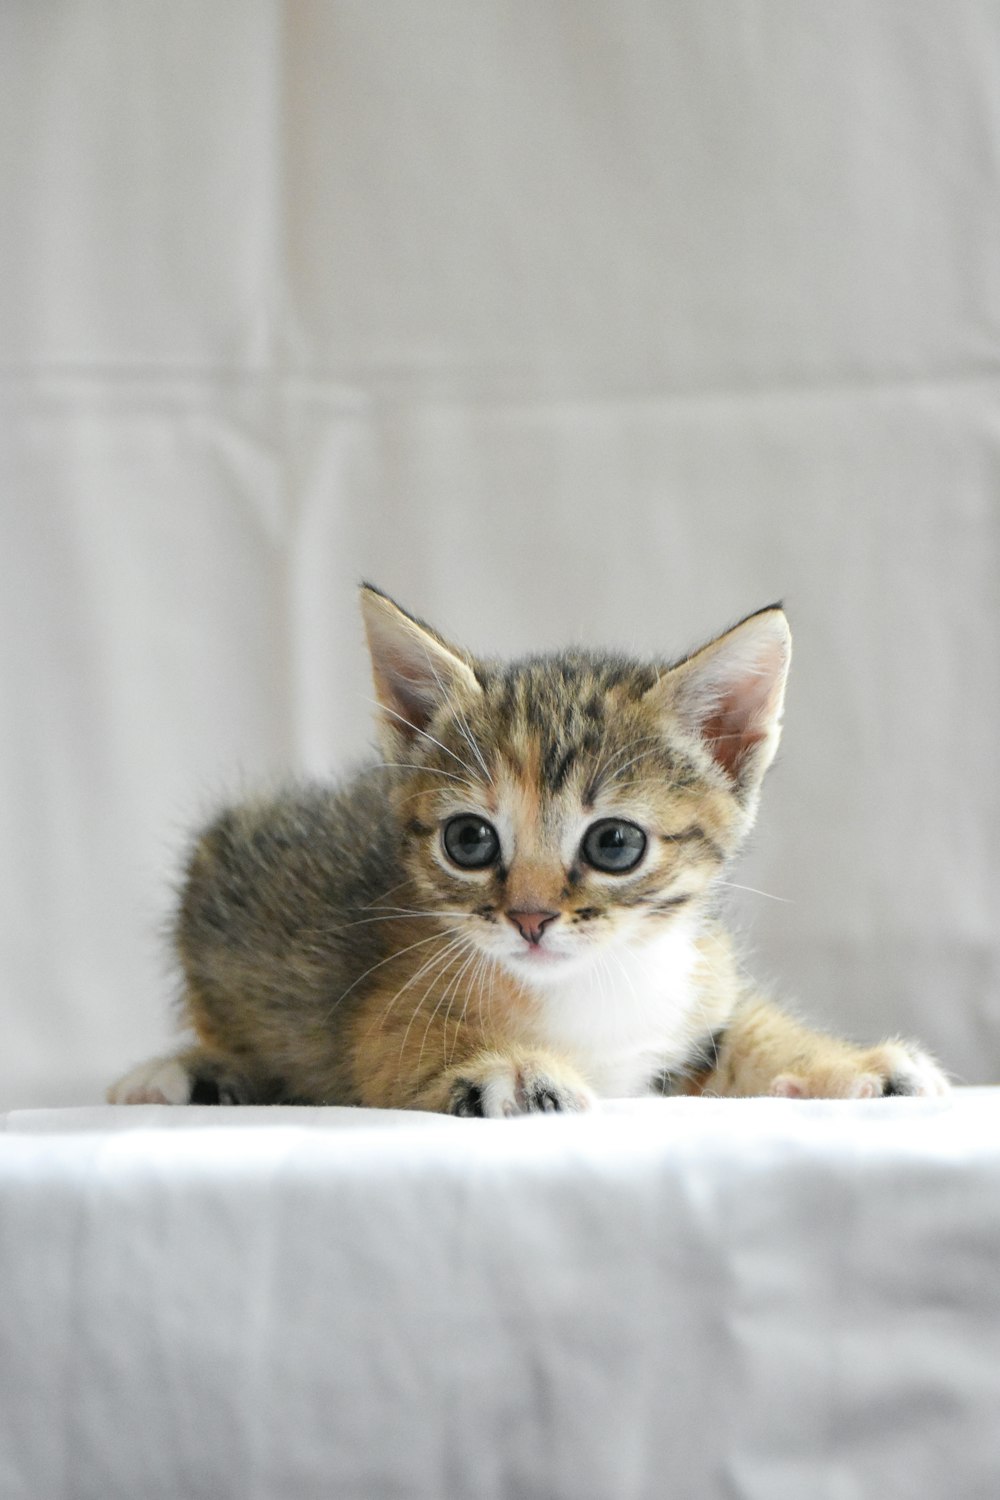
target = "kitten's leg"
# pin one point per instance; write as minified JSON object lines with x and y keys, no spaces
{"x":496,"y":1083}
{"x":433,"y":1058}
{"x":192,"y":1076}
{"x":765,"y":1051}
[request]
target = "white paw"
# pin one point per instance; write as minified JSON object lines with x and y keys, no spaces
{"x":892,"y":1068}
{"x":495,"y":1090}
{"x":161,"y":1080}
{"x":910,"y":1071}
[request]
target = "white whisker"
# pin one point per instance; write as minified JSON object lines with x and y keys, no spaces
{"x":396,"y":953}
{"x":411,"y":880}
{"x":437,"y":960}
{"x":609,"y":769}
{"x":462,"y":721}
{"x":449,"y":993}
{"x":383,"y":708}
{"x":788,"y":900}
{"x":420,"y":1003}
{"x":405,"y":765}
{"x":394,"y":916}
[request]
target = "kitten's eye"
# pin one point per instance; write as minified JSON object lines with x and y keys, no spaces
{"x":470,"y":842}
{"x":613,"y":845}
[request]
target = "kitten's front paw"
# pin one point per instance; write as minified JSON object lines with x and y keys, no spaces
{"x":161,"y":1080}
{"x":496,"y":1088}
{"x":169,"y":1080}
{"x":892,"y":1068}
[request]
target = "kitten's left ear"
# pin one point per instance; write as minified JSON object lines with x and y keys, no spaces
{"x":731,"y":693}
{"x":415,"y":671}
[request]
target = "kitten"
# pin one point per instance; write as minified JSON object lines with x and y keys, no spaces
{"x":515,"y":911}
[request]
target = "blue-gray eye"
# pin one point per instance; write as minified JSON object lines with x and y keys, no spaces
{"x":614,"y":846}
{"x":471,"y":842}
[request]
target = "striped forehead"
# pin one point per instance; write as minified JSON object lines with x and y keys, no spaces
{"x":542,"y":741}
{"x":551,"y":723}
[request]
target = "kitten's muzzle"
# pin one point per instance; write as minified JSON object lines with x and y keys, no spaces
{"x":531,"y":924}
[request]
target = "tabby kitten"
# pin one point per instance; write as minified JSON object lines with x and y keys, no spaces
{"x":515,"y":911}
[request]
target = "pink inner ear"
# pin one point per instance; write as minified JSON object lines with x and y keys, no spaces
{"x":415,"y":673}
{"x":404,"y":693}
{"x":732,"y":693}
{"x":731,"y":738}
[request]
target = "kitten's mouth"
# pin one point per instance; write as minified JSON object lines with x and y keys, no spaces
{"x":535,"y":956}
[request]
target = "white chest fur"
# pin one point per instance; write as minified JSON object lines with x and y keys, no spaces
{"x":626,"y":1016}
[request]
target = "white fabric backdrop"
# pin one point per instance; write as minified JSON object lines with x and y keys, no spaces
{"x":604,"y":322}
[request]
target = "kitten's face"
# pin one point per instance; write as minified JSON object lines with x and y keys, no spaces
{"x":561,"y":808}
{"x":555,"y":819}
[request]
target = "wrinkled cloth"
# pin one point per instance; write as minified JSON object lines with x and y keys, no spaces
{"x":771,"y":1299}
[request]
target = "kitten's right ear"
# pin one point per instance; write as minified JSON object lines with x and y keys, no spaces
{"x":415,"y":671}
{"x":731,"y":693}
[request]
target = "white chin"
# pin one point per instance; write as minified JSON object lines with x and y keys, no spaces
{"x":542,"y":964}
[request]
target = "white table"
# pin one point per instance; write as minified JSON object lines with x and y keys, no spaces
{"x":680,"y":1298}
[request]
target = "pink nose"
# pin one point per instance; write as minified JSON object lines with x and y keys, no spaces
{"x":531,"y":924}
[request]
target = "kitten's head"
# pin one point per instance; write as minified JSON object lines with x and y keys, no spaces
{"x":554,"y":807}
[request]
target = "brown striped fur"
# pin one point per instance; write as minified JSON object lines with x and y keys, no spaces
{"x":333,"y":951}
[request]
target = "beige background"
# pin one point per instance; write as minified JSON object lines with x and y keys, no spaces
{"x":597,"y":322}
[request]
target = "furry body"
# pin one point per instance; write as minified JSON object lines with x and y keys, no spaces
{"x":515,"y":911}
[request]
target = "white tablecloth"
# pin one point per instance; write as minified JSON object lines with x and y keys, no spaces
{"x":666,"y":1298}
